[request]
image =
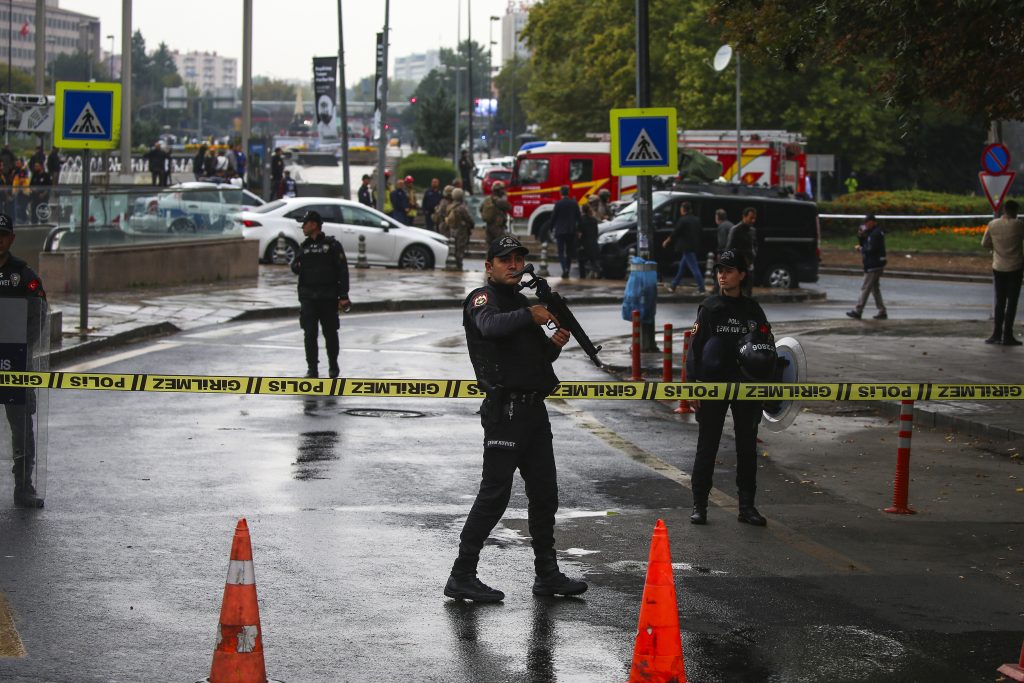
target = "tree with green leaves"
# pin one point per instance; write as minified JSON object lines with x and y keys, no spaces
{"x":434,"y":115}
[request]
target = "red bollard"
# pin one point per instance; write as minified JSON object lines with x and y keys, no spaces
{"x":684,"y":405}
{"x":901,"y":486}
{"x":1015,"y":672}
{"x":666,"y":358}
{"x":635,"y":349}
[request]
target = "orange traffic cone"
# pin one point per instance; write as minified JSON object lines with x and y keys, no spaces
{"x":238,"y":656}
{"x":1015,"y":672}
{"x":658,"y":653}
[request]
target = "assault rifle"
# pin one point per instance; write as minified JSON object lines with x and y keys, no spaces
{"x":559,"y":308}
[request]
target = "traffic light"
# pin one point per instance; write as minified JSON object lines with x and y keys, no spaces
{"x":412,"y":100}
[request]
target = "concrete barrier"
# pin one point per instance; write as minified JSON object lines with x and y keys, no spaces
{"x":28,"y":242}
{"x":126,"y":267}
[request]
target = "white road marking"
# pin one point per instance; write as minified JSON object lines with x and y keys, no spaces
{"x":109,"y":360}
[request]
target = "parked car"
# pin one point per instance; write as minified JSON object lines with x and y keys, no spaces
{"x":485,"y":165}
{"x":190,"y":207}
{"x":788,"y":234}
{"x":388,"y":242}
{"x":492,"y":175}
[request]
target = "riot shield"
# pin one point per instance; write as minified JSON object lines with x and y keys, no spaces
{"x":777,"y":415}
{"x":24,"y":346}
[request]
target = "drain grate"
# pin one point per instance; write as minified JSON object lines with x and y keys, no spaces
{"x":383,"y":412}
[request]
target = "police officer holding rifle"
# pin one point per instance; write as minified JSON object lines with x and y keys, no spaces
{"x":512,"y":358}
{"x":732,"y":342}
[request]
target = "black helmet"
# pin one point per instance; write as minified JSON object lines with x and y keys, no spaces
{"x":312,"y":216}
{"x":756,"y":355}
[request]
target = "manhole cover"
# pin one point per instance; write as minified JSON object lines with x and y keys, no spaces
{"x":382,"y":412}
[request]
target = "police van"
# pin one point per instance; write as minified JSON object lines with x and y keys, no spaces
{"x":788,"y":234}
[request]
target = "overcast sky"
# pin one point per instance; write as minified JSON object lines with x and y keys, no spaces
{"x":288,"y":34}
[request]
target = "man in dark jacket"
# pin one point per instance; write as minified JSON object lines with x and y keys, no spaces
{"x":53,"y":164}
{"x":276,"y":173}
{"x":400,"y":203}
{"x":512,"y":357}
{"x":155,"y":159}
{"x":686,"y":235}
{"x":743,"y":239}
{"x":565,"y":222}
{"x":431,"y":198}
{"x":872,"y":251}
{"x":365,"y":198}
{"x":323,"y":291}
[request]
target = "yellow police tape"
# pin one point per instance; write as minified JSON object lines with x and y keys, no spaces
{"x":464,"y":388}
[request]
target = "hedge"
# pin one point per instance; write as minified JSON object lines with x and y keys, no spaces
{"x":906,"y":203}
{"x":423,"y":168}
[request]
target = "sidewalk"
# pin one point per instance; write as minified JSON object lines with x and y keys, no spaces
{"x":837,"y":350}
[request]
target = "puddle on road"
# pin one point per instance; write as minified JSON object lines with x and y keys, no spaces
{"x":316,"y":449}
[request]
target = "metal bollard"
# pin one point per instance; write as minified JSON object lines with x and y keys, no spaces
{"x":543,"y":271}
{"x":280,"y":247}
{"x":709,"y":270}
{"x":684,"y":405}
{"x":635,"y":349}
{"x":901,"y":485}
{"x":666,"y":358}
{"x":449,"y":263}
{"x":361,"y":258}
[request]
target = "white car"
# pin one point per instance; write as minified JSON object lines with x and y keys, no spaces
{"x":388,"y":242}
{"x":190,"y":208}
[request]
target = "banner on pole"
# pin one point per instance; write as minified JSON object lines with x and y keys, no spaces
{"x":325,"y":93}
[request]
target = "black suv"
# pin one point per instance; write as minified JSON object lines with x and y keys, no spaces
{"x":787,"y":235}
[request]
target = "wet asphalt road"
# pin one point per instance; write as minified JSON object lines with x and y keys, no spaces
{"x":355,"y":506}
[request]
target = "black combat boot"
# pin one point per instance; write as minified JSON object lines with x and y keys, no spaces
{"x":551,"y":581}
{"x":24,"y":492}
{"x":748,"y":513}
{"x":699,"y":514}
{"x":334,"y":370}
{"x":469,"y":587}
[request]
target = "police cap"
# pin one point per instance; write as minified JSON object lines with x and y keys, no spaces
{"x":506,"y":244}
{"x":6,"y":224}
{"x":731,"y":259}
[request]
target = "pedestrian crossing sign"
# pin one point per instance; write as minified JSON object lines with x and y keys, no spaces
{"x":644,"y":141}
{"x":87,"y":115}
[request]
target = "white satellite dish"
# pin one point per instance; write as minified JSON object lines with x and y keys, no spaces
{"x":722,"y":57}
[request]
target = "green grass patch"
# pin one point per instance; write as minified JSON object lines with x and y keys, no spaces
{"x":964,"y":241}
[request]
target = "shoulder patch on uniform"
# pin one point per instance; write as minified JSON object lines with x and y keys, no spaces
{"x":696,"y":328}
{"x":480,"y":299}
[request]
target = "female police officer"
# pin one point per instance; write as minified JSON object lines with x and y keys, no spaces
{"x":512,"y":358}
{"x":726,"y":323}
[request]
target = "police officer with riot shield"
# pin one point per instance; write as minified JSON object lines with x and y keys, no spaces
{"x":512,"y":358}
{"x":732,"y":342}
{"x":22,"y":337}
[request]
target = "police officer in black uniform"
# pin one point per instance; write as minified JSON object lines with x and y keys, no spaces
{"x":323,"y":290}
{"x":512,"y":358}
{"x":17,"y":280}
{"x":731,"y":330}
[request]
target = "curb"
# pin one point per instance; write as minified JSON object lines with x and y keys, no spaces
{"x":63,"y":355}
{"x":910,"y":275}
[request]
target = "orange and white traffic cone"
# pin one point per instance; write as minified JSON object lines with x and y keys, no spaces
{"x":658,"y":652}
{"x":1015,"y":672}
{"x":238,"y":656}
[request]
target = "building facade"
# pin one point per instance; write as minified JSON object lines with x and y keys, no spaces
{"x":416,"y":67}
{"x":66,"y":32}
{"x":512,"y":26}
{"x":207,"y":71}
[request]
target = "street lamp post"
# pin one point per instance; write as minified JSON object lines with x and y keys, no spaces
{"x":490,"y":82}
{"x":722,"y":57}
{"x":84,"y":26}
{"x":111,"y":39}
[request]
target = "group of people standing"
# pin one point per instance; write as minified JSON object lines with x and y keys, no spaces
{"x":227,"y":163}
{"x":25,"y":187}
{"x":574,"y":228}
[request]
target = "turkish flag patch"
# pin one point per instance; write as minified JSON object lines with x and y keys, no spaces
{"x":480,"y":299}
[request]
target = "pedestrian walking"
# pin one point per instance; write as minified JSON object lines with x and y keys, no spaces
{"x":323,"y":291}
{"x":18,"y":280}
{"x":460,"y":225}
{"x":364,"y":194}
{"x":512,"y":357}
{"x":872,"y":252}
{"x":494,"y":210}
{"x":723,"y":227}
{"x":565,"y":223}
{"x":431,"y":198}
{"x":1005,"y":237}
{"x":686,"y":237}
{"x":589,"y":252}
{"x":731,"y":342}
{"x":743,"y":239}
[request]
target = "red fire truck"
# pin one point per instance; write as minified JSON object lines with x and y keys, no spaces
{"x":771,"y":158}
{"x":541,"y":168}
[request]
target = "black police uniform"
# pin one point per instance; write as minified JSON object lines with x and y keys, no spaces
{"x":512,"y":358}
{"x":17,"y":280}
{"x":323,"y":282}
{"x":722,"y":321}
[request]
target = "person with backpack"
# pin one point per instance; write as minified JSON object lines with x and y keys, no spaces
{"x":494,"y":210}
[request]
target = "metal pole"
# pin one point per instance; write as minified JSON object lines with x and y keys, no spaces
{"x":40,"y":46}
{"x":469,"y":75}
{"x":512,"y":98}
{"x":382,"y":143}
{"x":739,"y":149}
{"x":10,"y":31}
{"x":246,"y":78}
{"x":346,"y":183}
{"x":458,"y":40}
{"x":126,"y":88}
{"x":83,"y":249}
{"x":643,"y":99}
